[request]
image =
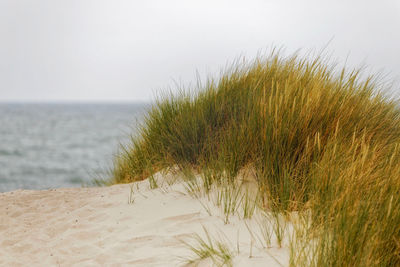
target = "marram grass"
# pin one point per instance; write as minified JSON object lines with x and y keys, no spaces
{"x":320,"y":141}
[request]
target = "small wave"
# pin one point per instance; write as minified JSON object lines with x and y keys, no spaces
{"x":14,"y":152}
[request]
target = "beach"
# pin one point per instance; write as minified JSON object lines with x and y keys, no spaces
{"x":121,"y":225}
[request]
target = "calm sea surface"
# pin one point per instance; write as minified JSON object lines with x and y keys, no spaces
{"x":61,"y":145}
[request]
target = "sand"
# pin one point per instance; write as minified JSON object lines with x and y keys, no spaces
{"x":99,"y":227}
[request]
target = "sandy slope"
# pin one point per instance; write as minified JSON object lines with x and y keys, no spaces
{"x":97,"y":226}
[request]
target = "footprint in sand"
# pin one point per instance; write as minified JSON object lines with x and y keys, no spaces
{"x":9,"y":243}
{"x":16,"y":214}
{"x":183,"y":217}
{"x":84,"y":235}
{"x":143,"y":262}
{"x":141,"y":239}
{"x":98,"y":217}
{"x":22,"y":248}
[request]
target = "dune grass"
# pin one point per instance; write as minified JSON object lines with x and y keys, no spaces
{"x":203,"y":248}
{"x":320,"y":141}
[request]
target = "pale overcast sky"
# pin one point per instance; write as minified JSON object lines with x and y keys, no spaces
{"x":97,"y":50}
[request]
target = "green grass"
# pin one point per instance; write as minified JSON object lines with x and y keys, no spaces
{"x":203,"y":248}
{"x":321,"y":141}
{"x":131,"y":198}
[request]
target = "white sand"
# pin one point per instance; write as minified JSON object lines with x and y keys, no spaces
{"x":97,"y":226}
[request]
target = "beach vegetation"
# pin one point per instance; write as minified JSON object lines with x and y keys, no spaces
{"x":209,"y":248}
{"x":322,"y":142}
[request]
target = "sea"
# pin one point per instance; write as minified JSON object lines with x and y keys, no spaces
{"x":53,"y":145}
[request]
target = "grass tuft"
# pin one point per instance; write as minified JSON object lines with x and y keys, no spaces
{"x":204,"y":248}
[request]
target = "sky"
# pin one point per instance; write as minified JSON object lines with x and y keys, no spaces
{"x":127,"y":50}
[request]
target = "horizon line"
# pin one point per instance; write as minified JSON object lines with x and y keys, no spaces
{"x":59,"y":101}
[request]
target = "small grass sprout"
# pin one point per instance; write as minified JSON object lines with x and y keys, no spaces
{"x":131,"y":198}
{"x":218,"y":251}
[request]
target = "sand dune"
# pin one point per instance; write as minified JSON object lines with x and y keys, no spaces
{"x":98,"y":227}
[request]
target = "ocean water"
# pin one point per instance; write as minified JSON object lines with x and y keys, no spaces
{"x":46,"y":146}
